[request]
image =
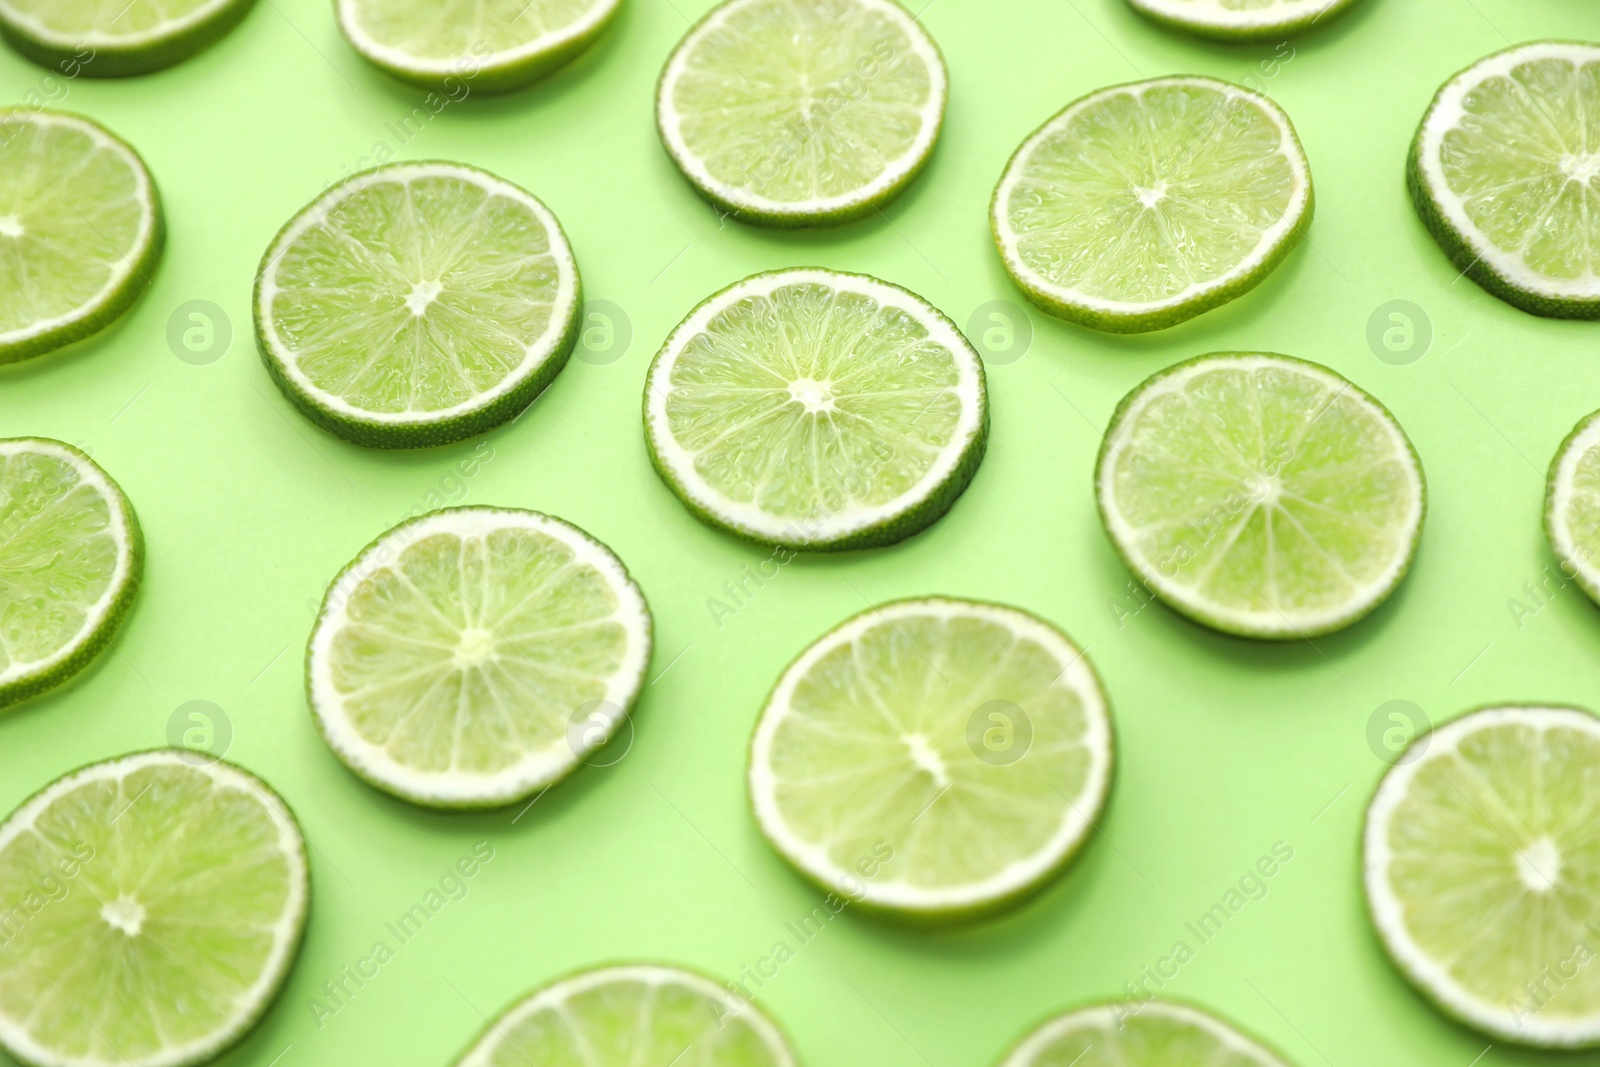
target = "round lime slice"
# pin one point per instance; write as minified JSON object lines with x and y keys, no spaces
{"x":1261,"y":495}
{"x":80,"y":230}
{"x":70,"y":561}
{"x":417,"y":304}
{"x":933,"y":759}
{"x":115,"y":38}
{"x":1149,"y":1034}
{"x":1572,"y":505}
{"x":152,"y":908}
{"x":474,"y":656}
{"x":817,"y":410}
{"x":1141,"y":206}
{"x":1482,"y":876}
{"x":802,"y":112}
{"x":620,"y":1016}
{"x":1242,"y":20}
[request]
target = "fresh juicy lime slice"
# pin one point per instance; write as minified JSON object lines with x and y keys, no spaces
{"x":470,"y":44}
{"x":1505,"y":170}
{"x":80,"y":230}
{"x":153,"y":906}
{"x":817,"y":410}
{"x":1242,"y":20}
{"x":1572,"y":505}
{"x":1482,"y":875}
{"x":70,"y":561}
{"x":933,"y":758}
{"x":639,"y":1014}
{"x":1149,"y":1034}
{"x":417,"y":304}
{"x":114,"y":38}
{"x":802,"y":112}
{"x":1261,"y":495}
{"x":473,"y":656}
{"x":1143,"y":205}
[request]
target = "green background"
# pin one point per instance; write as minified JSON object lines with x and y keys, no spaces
{"x":1226,"y":747}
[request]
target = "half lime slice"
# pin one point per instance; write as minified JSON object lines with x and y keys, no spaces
{"x":1572,"y":506}
{"x":817,"y":410}
{"x":1242,"y":20}
{"x":417,"y":304}
{"x":802,"y":112}
{"x":1261,"y":495}
{"x":153,"y":909}
{"x":643,"y":1014}
{"x":1482,"y":876}
{"x":80,"y":230}
{"x":115,"y":38}
{"x":933,"y":759}
{"x":1134,"y":1034}
{"x":1505,"y":170}
{"x":1143,"y":205}
{"x":70,"y":561}
{"x":472,"y":45}
{"x":473,"y":656}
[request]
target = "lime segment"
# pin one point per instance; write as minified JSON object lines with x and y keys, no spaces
{"x":1242,"y":20}
{"x":1572,"y":505}
{"x":114,"y":38}
{"x":1151,"y":1034}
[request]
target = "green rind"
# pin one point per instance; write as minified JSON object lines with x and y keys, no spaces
{"x":126,"y":62}
{"x":90,"y":647}
{"x":296,"y":941}
{"x":1217,"y":623}
{"x":434,"y":803}
{"x":97,"y":317}
{"x":1276,"y":31}
{"x":1177,"y":1002}
{"x":914,"y":520}
{"x":1145,"y":322}
{"x":430,"y":433}
{"x":1577,"y":574}
{"x":935,"y":918}
{"x":1455,"y":245}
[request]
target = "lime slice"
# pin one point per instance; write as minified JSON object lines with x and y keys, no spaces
{"x":1261,"y":495}
{"x":70,"y":561}
{"x":817,"y":410}
{"x":627,"y":1015}
{"x":933,"y":758}
{"x":1150,"y":1034}
{"x":1481,"y":872}
{"x":1572,"y":505}
{"x":1143,"y":205}
{"x":473,"y":656}
{"x":1504,"y":171}
{"x":417,"y":304}
{"x":802,"y":112}
{"x":153,"y":909}
{"x":80,"y":230}
{"x":469,"y":45}
{"x":1241,"y":20}
{"x":115,"y":38}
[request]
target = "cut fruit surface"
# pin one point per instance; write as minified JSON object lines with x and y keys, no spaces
{"x":1242,"y":20}
{"x":1505,"y":172}
{"x":1261,"y":495}
{"x":417,"y":304}
{"x":114,"y":38}
{"x":933,"y":758}
{"x":476,"y":655}
{"x":153,"y":909}
{"x":1143,"y":205}
{"x":80,"y":230}
{"x":632,"y":1014}
{"x":1572,"y":506}
{"x":1482,"y":876}
{"x":817,"y":410}
{"x":1133,"y":1034}
{"x":802,"y":112}
{"x":70,"y":561}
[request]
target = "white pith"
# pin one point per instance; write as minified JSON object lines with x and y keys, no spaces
{"x":117,"y":510}
{"x":561,"y":311}
{"x":1583,"y":563}
{"x":121,"y":273}
{"x":1078,"y":813}
{"x":1495,"y":1019}
{"x":1271,"y":238}
{"x":670,"y":122}
{"x":285,"y":934}
{"x":390,"y":56}
{"x":1113,"y":1016}
{"x":1272,"y":621}
{"x":837,"y":525}
{"x":556,"y":995}
{"x":71,"y":42}
{"x":1214,"y":14}
{"x":536,"y":769}
{"x":1445,"y":114}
